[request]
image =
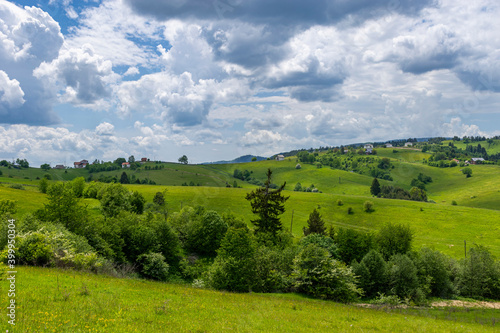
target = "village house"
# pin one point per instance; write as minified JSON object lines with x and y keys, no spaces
{"x":476,"y":160}
{"x":144,"y":160}
{"x":125,"y":165}
{"x":59,"y":166}
{"x":408,"y":144}
{"x":81,"y":164}
{"x":280,"y":158}
{"x":368,"y":146}
{"x":388,"y":145}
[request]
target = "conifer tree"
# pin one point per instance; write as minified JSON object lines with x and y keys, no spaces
{"x":267,"y":204}
{"x":315,"y":224}
{"x":375,"y":188}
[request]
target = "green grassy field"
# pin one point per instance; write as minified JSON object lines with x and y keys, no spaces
{"x":493,"y":148}
{"x":80,"y":302}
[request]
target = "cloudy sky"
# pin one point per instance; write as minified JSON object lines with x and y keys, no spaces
{"x":216,"y":79}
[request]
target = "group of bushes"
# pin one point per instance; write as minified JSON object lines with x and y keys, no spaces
{"x":207,"y":249}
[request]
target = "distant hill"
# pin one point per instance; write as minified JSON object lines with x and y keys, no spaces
{"x":241,"y":159}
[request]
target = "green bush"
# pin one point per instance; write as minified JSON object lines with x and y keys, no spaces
{"x":322,"y":241}
{"x":318,"y":275}
{"x":372,"y":274}
{"x":368,"y":206}
{"x":34,"y":249}
{"x":43,"y":185}
{"x":340,"y":202}
{"x":234,"y":267}
{"x":402,"y":277}
{"x":153,"y":266}
{"x":205,"y":234}
{"x":394,"y":239}
{"x":352,"y":244}
{"x":435,"y":270}
{"x":479,"y":274}
{"x":7,"y":206}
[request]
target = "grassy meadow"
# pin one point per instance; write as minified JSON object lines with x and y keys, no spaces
{"x":74,"y":302}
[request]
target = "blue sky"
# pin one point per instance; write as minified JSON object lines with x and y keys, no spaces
{"x":219,"y":79}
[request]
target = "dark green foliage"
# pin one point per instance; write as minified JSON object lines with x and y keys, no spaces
{"x":124,"y":178}
{"x":234,"y":267}
{"x":137,"y":202}
{"x":467,"y":172}
{"x":434,"y":269}
{"x":418,"y":194}
{"x":402,"y":277}
{"x":372,"y":273}
{"x":63,"y":207}
{"x":159,"y":199}
{"x":139,"y":235}
{"x":395,"y":192}
{"x":384,"y":164}
{"x":318,"y":275}
{"x":298,"y":187}
{"x":43,"y":185}
{"x":168,"y":242}
{"x":273,"y":268}
{"x":152,"y":266}
{"x":315,"y":224}
{"x":119,"y":161}
{"x":352,"y":244}
{"x":183,"y":159}
{"x":268,"y":205}
{"x":394,"y":239}
{"x":375,"y":187}
{"x":206,"y":233}
{"x":78,"y":185}
{"x":45,"y":166}
{"x":322,"y":241}
{"x":23,"y":163}
{"x":368,"y":206}
{"x":479,"y":274}
{"x":115,"y":198}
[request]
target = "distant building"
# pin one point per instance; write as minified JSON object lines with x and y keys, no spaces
{"x":125,"y":165}
{"x":280,"y":158}
{"x":144,"y":160}
{"x":368,"y":146}
{"x":476,"y":160}
{"x":388,"y":145}
{"x":81,"y":164}
{"x":59,"y":166}
{"x":408,"y":144}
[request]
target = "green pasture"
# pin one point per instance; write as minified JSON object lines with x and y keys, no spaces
{"x":55,"y":300}
{"x":493,"y":148}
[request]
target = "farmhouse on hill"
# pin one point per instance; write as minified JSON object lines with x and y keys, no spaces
{"x":408,"y":144}
{"x":125,"y":165}
{"x":475,"y":160}
{"x":368,"y":146}
{"x":280,"y":158}
{"x":81,"y":164}
{"x":388,"y":145}
{"x":144,"y":160}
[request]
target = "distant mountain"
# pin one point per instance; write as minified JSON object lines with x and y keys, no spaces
{"x":241,"y":159}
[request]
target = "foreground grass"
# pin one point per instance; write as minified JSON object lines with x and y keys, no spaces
{"x":53,"y":300}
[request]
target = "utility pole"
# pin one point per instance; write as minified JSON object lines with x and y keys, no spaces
{"x":291,"y":224}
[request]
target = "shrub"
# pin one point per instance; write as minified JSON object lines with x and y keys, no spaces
{"x":205,"y":234}
{"x":350,"y":210}
{"x":318,"y":275}
{"x":368,"y":206}
{"x":34,"y":249}
{"x":467,"y":172}
{"x":17,"y":186}
{"x":322,"y":241}
{"x":394,"y":239}
{"x":434,"y":270}
{"x":298,"y":166}
{"x":479,"y":274}
{"x":454,"y":203}
{"x":234,"y":267}
{"x":402,"y":276}
{"x":340,"y":203}
{"x":352,"y":244}
{"x":43,"y":185}
{"x":7,"y":206}
{"x":153,"y":266}
{"x":372,"y":273}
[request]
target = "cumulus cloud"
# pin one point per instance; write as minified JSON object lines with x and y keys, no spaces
{"x":11,"y":94}
{"x":260,"y":137}
{"x":28,"y":36}
{"x":105,"y":128}
{"x":81,"y":73}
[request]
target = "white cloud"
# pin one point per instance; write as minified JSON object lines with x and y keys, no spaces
{"x":11,"y":94}
{"x":261,"y":137}
{"x":105,"y":128}
{"x":82,"y":74}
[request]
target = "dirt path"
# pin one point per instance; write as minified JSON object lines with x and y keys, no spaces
{"x":465,"y":304}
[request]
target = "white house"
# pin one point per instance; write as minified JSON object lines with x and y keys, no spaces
{"x":368,"y":146}
{"x":408,"y":144}
{"x":280,"y":158}
{"x":81,"y":164}
{"x":388,"y":145}
{"x":125,"y":165}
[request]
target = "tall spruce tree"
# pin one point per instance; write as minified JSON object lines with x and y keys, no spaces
{"x":375,"y":188}
{"x":267,"y":204}
{"x":315,"y":224}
